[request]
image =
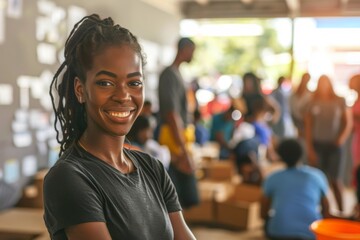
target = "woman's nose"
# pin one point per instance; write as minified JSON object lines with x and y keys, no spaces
{"x":121,"y":94}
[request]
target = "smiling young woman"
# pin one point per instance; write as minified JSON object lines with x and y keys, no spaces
{"x":98,"y":189}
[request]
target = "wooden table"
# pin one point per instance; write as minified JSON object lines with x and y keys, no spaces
{"x":22,"y":224}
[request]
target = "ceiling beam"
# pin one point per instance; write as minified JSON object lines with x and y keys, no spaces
{"x":294,"y":7}
{"x":202,"y":2}
{"x":170,"y":6}
{"x":235,"y":9}
{"x":270,"y":8}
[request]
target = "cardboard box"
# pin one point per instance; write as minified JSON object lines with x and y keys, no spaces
{"x":210,"y":192}
{"x":32,"y":196}
{"x":221,"y":191}
{"x":202,"y":213}
{"x":242,"y":209}
{"x":219,"y":171}
{"x":209,"y":151}
{"x":205,"y":211}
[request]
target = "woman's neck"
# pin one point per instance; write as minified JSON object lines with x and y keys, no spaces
{"x":106,"y":148}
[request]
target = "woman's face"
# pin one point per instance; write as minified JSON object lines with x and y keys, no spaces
{"x":113,"y":92}
{"x":248,"y":86}
{"x":354,"y":83}
{"x":324,"y":85}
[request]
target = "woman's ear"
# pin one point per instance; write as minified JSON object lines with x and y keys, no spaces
{"x":79,"y":90}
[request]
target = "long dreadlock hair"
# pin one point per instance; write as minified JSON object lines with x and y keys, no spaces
{"x":89,"y":37}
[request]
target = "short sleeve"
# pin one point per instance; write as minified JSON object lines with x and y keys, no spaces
{"x":169,"y":192}
{"x":69,"y":198}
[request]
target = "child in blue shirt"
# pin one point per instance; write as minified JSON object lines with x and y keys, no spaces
{"x":292,"y":197}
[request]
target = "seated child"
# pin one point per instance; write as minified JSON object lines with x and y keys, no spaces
{"x":248,"y":168}
{"x":141,"y":136}
{"x":201,"y":133}
{"x":245,"y":145}
{"x":291,"y":197}
{"x":221,"y":131}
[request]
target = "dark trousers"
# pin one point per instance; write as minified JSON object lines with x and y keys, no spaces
{"x":186,"y":187}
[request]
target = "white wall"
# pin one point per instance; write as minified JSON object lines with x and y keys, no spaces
{"x":18,"y":58}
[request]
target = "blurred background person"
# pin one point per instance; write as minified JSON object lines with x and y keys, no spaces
{"x":354,"y":84}
{"x":201,"y":132}
{"x":147,"y":111}
{"x":263,"y":132}
{"x":221,"y":131}
{"x":284,"y":126}
{"x":141,"y":136}
{"x":293,"y":196}
{"x":299,"y":100}
{"x":252,"y":93}
{"x":175,"y":131}
{"x":261,"y":111}
{"x":246,"y":154}
{"x":327,"y":126}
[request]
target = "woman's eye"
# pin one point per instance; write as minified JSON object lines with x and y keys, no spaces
{"x":104,"y":83}
{"x":136,"y":83}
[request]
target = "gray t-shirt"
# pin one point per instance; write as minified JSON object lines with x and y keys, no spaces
{"x":82,"y":188}
{"x":327,"y":118}
{"x":172,"y":94}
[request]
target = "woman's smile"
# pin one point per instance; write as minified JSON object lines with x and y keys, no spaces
{"x":120,"y":114}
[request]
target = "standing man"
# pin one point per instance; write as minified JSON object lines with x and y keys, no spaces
{"x":283,"y":128}
{"x":175,"y":132}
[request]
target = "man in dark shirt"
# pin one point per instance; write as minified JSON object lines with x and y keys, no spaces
{"x":173,"y":114}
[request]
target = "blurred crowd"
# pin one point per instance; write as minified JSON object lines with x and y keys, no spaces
{"x":306,"y":130}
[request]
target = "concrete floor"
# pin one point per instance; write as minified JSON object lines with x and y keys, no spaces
{"x":206,"y":233}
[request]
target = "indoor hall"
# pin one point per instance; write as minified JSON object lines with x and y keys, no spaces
{"x":289,"y":37}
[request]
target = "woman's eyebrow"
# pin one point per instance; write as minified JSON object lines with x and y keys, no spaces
{"x":103,"y":72}
{"x":134,"y":74}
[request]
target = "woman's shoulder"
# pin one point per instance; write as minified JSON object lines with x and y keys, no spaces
{"x":142,"y":157}
{"x":67,"y":164}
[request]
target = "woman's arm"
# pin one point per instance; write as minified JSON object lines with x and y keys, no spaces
{"x":181,"y":230}
{"x":88,"y":231}
{"x":347,"y":123}
{"x":325,"y":209}
{"x":308,"y":121}
{"x":274,"y":108}
{"x":265,"y":206}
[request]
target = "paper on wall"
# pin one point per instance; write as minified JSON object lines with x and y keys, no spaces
{"x":11,"y":170}
{"x":6,"y":94}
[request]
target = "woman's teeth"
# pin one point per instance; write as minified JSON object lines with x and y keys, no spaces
{"x":120,"y":114}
